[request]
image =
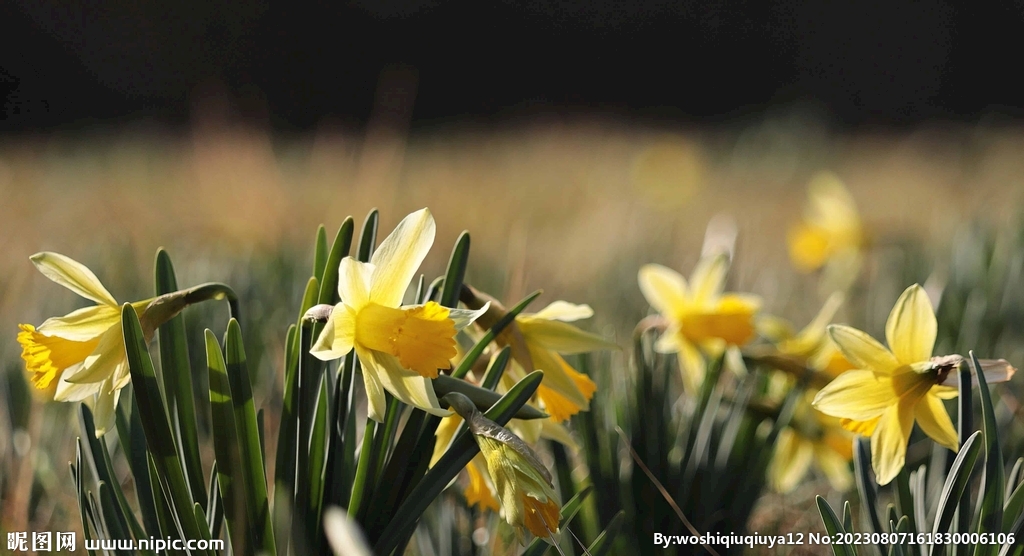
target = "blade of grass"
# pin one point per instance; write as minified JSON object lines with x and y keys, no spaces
{"x":990,"y":517}
{"x":954,"y":488}
{"x":833,"y":527}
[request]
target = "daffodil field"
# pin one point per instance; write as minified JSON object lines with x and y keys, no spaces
{"x":595,"y":370}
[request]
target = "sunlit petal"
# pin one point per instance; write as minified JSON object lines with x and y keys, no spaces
{"x":858,"y":395}
{"x":409,"y":387}
{"x":835,"y":467}
{"x":69,"y":392}
{"x":691,"y":366}
{"x":73,"y":275}
{"x":664,"y":288}
{"x":911,"y":327}
{"x":103,"y":361}
{"x":354,"y":282}
{"x":376,"y":402}
{"x":465,"y":317}
{"x":399,"y":256}
{"x":556,"y":377}
{"x":708,"y":278}
{"x":863,"y":351}
{"x":84,"y":324}
{"x":561,"y":337}
{"x":889,"y":442}
{"x":935,"y":422}
{"x":103,"y":409}
{"x":563,"y":311}
{"x":337,"y":337}
{"x":791,"y":461}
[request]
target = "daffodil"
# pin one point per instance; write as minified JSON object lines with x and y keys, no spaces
{"x":811,"y":346}
{"x":831,"y":229}
{"x":81,"y":356}
{"x":522,"y":483}
{"x":479,"y":491}
{"x":400,"y":347}
{"x":702,"y":321}
{"x":891,"y":388}
{"x":811,"y":439}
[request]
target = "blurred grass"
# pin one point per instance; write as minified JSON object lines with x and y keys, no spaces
{"x":571,"y":207}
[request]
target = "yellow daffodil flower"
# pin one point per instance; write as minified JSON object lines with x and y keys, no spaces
{"x":702,"y":321}
{"x":81,"y":356}
{"x":831,"y":230}
{"x":891,"y":388}
{"x":812,"y":438}
{"x":812,"y":345}
{"x":522,"y":483}
{"x":400,"y":347}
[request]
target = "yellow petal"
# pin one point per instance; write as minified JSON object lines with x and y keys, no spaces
{"x":944,"y":392}
{"x":664,"y":288}
{"x":46,"y":357}
{"x":421,"y":337}
{"x":376,"y":402}
{"x":73,"y":275}
{"x":103,"y":409}
{"x":443,"y":437}
{"x":563,"y":311}
{"x":889,"y":441}
{"x":541,"y":516}
{"x":708,"y":278}
{"x":68,"y":392}
{"x":808,"y":247}
{"x":354,"y":283}
{"x":863,"y":428}
{"x":835,"y":467}
{"x":462,"y":318}
{"x":858,"y":395}
{"x":669,"y":341}
{"x":557,"y":432}
{"x":84,"y":324}
{"x":479,"y":492}
{"x":560,"y":336}
{"x":399,"y":256}
{"x":103,"y":361}
{"x":863,"y":351}
{"x":935,"y":422}
{"x":338,"y":336}
{"x":408,"y":386}
{"x":691,"y":366}
{"x":792,"y":459}
{"x":910,"y":329}
{"x":830,"y":204}
{"x":559,"y":377}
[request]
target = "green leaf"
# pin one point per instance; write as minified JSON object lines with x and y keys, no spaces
{"x":226,"y":447}
{"x":339,"y":250}
{"x":133,"y":440}
{"x":177,"y":379}
{"x":456,"y":273}
{"x":954,"y":487}
{"x":569,"y":510}
{"x":287,"y":448}
{"x":965,"y":427}
{"x":254,"y":477}
{"x":159,"y":438}
{"x":482,"y":397}
{"x":604,"y":542}
{"x":112,"y":518}
{"x":497,"y":368}
{"x":848,"y":517}
{"x":904,"y":498}
{"x":990,"y":518}
{"x":865,"y":484}
{"x":320,"y":252}
{"x":368,"y":236}
{"x":215,"y":517}
{"x":833,"y":527}
{"x":318,"y":445}
{"x":88,"y":523}
{"x":454,"y":460}
{"x":98,"y":458}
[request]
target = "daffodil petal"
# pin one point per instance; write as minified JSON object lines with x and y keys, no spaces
{"x":103,"y":409}
{"x":911,"y":327}
{"x":935,"y":422}
{"x":858,"y":395}
{"x":808,"y":247}
{"x":338,"y":336}
{"x":561,"y":337}
{"x":863,"y":351}
{"x":708,"y":278}
{"x":835,"y":467}
{"x":465,"y":317}
{"x":103,"y":361}
{"x":557,"y":432}
{"x":563,"y":311}
{"x":443,"y":437}
{"x":376,"y":402}
{"x":889,"y":441}
{"x":84,"y":324}
{"x":555,"y":376}
{"x":399,"y":256}
{"x":944,"y":392}
{"x":409,"y":387}
{"x":69,"y":392}
{"x":73,"y":275}
{"x":664,"y":288}
{"x":791,"y":461}
{"x":354,"y":282}
{"x":669,"y":341}
{"x":691,"y":366}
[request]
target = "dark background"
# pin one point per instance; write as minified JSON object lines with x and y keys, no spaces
{"x":295,"y":66}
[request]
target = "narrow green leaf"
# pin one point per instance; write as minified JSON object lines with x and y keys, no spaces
{"x":112,"y":517}
{"x":1013,"y":479}
{"x":368,"y":236}
{"x":98,"y":459}
{"x":904,"y":498}
{"x":604,"y":542}
{"x":226,"y":448}
{"x":201,"y":519}
{"x":457,"y":263}
{"x":320,"y":252}
{"x":454,"y":459}
{"x":318,"y":445}
{"x":215,"y":517}
{"x":954,"y":487}
{"x":287,"y":448}
{"x":1014,"y":506}
{"x":339,"y":250}
{"x":865,"y":484}
{"x":497,"y":368}
{"x":159,"y":438}
{"x":482,"y":397}
{"x":990,"y":518}
{"x":848,"y":517}
{"x":965,"y":426}
{"x":254,"y":477}
{"x":833,"y":527}
{"x":164,"y":514}
{"x":177,"y":377}
{"x":88,"y":523}
{"x":133,"y":442}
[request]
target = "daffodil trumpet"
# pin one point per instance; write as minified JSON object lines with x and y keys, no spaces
{"x":523,"y":483}
{"x":81,"y":356}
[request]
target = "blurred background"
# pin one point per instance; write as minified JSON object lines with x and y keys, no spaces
{"x":575,"y":141}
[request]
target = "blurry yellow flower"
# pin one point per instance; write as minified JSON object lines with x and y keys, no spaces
{"x":891,"y":388}
{"x":812,"y":344}
{"x":702,"y":320}
{"x":400,"y":347}
{"x":522,"y":483}
{"x":811,"y":438}
{"x":81,"y":356}
{"x":831,"y":229}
